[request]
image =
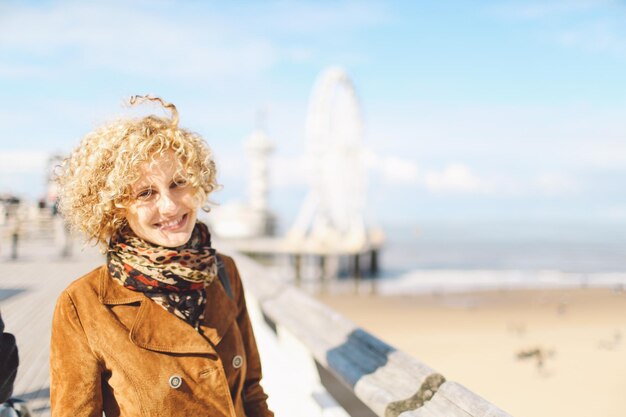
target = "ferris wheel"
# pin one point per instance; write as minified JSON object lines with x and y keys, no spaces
{"x":333,"y":209}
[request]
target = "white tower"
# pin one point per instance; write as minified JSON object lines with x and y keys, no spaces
{"x":252,"y":218}
{"x":259,"y":148}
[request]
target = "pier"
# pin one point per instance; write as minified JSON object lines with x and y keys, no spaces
{"x":323,"y":262}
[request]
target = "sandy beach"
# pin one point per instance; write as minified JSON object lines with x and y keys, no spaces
{"x":534,"y":353}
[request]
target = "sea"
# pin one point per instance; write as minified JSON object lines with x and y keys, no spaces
{"x":448,"y":257}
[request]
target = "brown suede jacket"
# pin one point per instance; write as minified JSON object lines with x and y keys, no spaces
{"x":115,"y":350}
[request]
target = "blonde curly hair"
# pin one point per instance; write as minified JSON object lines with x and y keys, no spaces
{"x":96,"y":180}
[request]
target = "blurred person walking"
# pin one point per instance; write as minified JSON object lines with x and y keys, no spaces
{"x":8,"y":363}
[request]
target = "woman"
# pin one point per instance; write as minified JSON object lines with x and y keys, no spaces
{"x":162,"y":329}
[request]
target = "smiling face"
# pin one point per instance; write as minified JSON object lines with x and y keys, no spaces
{"x":163,"y":210}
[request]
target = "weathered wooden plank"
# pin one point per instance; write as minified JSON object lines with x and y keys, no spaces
{"x":441,"y":406}
{"x":404,"y":383}
{"x":424,"y":412}
{"x":258,"y":280}
{"x":454,"y":400}
{"x":470,"y":402}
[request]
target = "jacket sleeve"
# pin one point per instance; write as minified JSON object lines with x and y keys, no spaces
{"x":255,"y":399}
{"x":75,"y":373}
{"x":8,"y":363}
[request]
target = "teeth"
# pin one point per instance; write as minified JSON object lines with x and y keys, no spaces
{"x":172,"y":223}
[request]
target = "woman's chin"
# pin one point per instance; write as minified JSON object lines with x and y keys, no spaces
{"x":170,"y":239}
{"x":178,"y":239}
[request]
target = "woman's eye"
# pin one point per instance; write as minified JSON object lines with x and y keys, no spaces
{"x":178,"y":183}
{"x":144,"y":194}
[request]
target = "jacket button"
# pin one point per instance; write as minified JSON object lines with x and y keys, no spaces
{"x":176,"y":381}
{"x":237,"y":362}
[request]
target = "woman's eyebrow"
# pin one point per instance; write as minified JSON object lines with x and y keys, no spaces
{"x":141,"y":187}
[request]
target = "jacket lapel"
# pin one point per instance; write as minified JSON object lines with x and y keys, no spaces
{"x":219,"y":314}
{"x":156,"y":329}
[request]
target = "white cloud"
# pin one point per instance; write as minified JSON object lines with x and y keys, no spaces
{"x":555,"y":183}
{"x":320,"y":17}
{"x":398,"y":170}
{"x":460,"y":178}
{"x":590,"y":25}
{"x":22,"y":71}
{"x":289,"y":170}
{"x":504,"y":138}
{"x":299,"y":55}
{"x":285,"y":170}
{"x":456,"y":178}
{"x":395,"y":170}
{"x":596,"y":36}
{"x":544,"y":9}
{"x":614,"y":212}
{"x":22,"y":161}
{"x":23,"y":173}
{"x":605,"y":152}
{"x":190,"y":44}
{"x":130,"y":40}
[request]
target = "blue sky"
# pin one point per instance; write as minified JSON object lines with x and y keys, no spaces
{"x":473,"y":111}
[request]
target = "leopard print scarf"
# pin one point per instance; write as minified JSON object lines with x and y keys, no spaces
{"x":174,"y":278}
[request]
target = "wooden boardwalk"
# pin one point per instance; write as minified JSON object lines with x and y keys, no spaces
{"x":29,"y":287}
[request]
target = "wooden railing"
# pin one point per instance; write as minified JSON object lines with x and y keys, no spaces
{"x":389,"y":382}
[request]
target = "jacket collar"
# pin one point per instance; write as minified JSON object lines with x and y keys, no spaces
{"x":111,"y":293}
{"x":156,"y":329}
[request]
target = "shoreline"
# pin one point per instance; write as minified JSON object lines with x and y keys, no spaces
{"x":532,"y":352}
{"x":424,"y":281}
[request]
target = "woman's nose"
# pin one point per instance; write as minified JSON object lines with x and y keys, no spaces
{"x":167,"y":203}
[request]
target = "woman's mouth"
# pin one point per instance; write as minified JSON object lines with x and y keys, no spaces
{"x":173,"y":224}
